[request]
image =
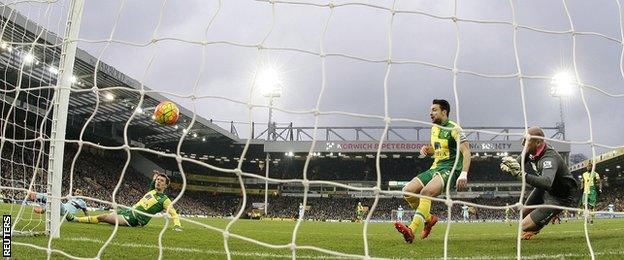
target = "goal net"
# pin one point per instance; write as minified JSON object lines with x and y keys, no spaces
{"x":29,"y":71}
{"x":80,"y":80}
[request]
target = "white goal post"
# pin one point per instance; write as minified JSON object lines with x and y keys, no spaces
{"x":59,"y":118}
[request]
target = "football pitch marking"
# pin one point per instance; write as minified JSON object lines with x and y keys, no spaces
{"x":269,"y":255}
{"x":203,"y":251}
{"x":540,"y":256}
{"x":272,"y":256}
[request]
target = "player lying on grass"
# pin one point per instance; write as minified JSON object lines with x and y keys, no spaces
{"x":154,"y":201}
{"x":72,"y":206}
{"x":554,"y":185}
{"x":444,"y":145}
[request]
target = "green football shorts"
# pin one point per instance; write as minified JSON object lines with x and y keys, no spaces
{"x":592,"y":197}
{"x":128,"y":215}
{"x":444,"y":172}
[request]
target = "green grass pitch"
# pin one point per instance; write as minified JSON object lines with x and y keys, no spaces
{"x":466,"y":240}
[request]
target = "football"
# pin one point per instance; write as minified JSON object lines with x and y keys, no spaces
{"x":166,"y":113}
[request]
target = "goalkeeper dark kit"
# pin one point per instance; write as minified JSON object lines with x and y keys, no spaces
{"x":554,"y":185}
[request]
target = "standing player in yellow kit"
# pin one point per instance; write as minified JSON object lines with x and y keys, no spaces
{"x":444,"y":145}
{"x":592,"y":187}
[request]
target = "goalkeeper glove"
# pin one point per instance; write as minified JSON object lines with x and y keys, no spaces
{"x":177,"y":228}
{"x":511,"y":166}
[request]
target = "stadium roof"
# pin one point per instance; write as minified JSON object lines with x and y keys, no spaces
{"x":21,"y":33}
{"x":606,"y":162}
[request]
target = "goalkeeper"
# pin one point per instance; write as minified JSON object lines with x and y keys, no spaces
{"x":154,"y":201}
{"x":72,"y":206}
{"x":553,"y":184}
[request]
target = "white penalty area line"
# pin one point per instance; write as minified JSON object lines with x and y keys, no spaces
{"x":540,"y":256}
{"x":289,"y":256}
{"x":202,"y":251}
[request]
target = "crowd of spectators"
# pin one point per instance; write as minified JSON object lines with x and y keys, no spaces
{"x":344,"y":209}
{"x":344,"y":169}
{"x":98,"y":172}
{"x":613,"y":193}
{"x":364,"y":169}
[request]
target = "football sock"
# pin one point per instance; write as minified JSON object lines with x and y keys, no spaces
{"x":413,"y":202}
{"x":87,"y":219}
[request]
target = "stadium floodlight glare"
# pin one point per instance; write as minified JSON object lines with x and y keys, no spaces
{"x":53,"y":70}
{"x":270,"y":85}
{"x":269,"y":82}
{"x":138,"y":110}
{"x":194,"y":135}
{"x":184,"y":130}
{"x":175,"y":127}
{"x":29,"y":58}
{"x":562,"y":85}
{"x":203,"y":139}
{"x":109,"y":96}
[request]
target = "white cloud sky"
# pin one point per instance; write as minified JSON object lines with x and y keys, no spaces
{"x":357,"y":86}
